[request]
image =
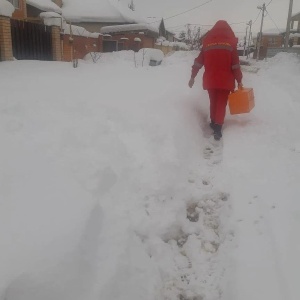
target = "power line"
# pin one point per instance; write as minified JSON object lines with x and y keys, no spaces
{"x":273,"y":21}
{"x":269,"y":3}
{"x":257,"y":17}
{"x":263,"y":9}
{"x":177,"y":26}
{"x":237,"y":23}
{"x":188,"y":10}
{"x":184,"y":12}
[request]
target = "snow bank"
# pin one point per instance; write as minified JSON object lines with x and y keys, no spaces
{"x":45,"y":5}
{"x":130,"y":58}
{"x":152,"y":54}
{"x":112,"y":189}
{"x":6,"y":8}
{"x":43,"y":217}
{"x":263,"y":166}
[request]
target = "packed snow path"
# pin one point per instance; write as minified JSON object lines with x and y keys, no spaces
{"x":111,"y":187}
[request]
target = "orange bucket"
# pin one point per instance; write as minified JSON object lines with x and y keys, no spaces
{"x":241,"y":101}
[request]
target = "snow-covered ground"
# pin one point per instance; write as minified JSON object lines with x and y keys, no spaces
{"x":112,"y":189}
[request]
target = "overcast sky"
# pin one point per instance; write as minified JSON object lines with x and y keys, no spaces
{"x":233,"y":11}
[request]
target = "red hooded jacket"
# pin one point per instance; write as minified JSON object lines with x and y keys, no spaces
{"x":220,"y":59}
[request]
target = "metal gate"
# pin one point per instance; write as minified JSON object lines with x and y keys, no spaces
{"x":31,"y":41}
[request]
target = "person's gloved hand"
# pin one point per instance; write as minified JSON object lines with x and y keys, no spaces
{"x":191,"y":82}
{"x":240,"y":86}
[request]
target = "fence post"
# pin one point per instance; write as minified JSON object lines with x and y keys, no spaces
{"x":6,"y":52}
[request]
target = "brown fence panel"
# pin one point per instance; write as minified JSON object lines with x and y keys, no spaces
{"x":31,"y":41}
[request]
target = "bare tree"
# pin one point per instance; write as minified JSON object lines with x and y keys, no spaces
{"x":131,"y":6}
{"x":193,"y":37}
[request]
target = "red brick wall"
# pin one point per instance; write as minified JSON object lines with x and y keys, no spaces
{"x":81,"y":47}
{"x":5,"y":39}
{"x":130,"y":44}
{"x":20,"y":13}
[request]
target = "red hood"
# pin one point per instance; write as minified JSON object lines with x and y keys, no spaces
{"x":221,"y":32}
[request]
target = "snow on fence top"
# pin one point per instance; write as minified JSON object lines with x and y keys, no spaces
{"x":45,"y":5}
{"x":6,"y":8}
{"x":130,"y":27}
{"x":54,"y":19}
{"x":80,"y":31}
{"x":99,"y":11}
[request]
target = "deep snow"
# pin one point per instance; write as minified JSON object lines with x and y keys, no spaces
{"x":109,"y":189}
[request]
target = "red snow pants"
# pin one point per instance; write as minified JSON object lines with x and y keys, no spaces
{"x":218,"y":102}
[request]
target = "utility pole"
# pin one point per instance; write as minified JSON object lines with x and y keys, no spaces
{"x":288,"y":26}
{"x":249,"y":39}
{"x":263,"y":8}
{"x":245,"y":40}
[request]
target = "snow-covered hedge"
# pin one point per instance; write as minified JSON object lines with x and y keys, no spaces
{"x":161,"y":41}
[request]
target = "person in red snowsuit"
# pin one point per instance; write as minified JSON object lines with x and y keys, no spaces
{"x":220,"y":59}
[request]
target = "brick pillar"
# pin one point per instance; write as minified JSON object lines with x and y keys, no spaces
{"x":56,"y":43}
{"x":6,"y":52}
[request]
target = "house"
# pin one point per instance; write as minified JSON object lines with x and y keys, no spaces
{"x":36,"y":30}
{"x":272,"y":39}
{"x":128,"y":37}
{"x":295,"y":22}
{"x":295,"y":29}
{"x":122,"y":27}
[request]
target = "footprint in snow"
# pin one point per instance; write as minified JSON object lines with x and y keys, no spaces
{"x":213,"y":151}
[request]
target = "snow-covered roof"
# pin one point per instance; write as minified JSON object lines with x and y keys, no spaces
{"x":102,"y":11}
{"x":45,"y":5}
{"x":6,"y":8}
{"x":129,"y":27}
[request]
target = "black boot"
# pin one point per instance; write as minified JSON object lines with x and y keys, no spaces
{"x":217,"y":132}
{"x":212,"y":125}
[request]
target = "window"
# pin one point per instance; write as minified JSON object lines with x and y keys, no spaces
{"x":15,"y":3}
{"x":272,"y":41}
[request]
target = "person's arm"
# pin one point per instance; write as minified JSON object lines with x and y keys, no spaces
{"x":236,"y":68}
{"x":198,"y":64}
